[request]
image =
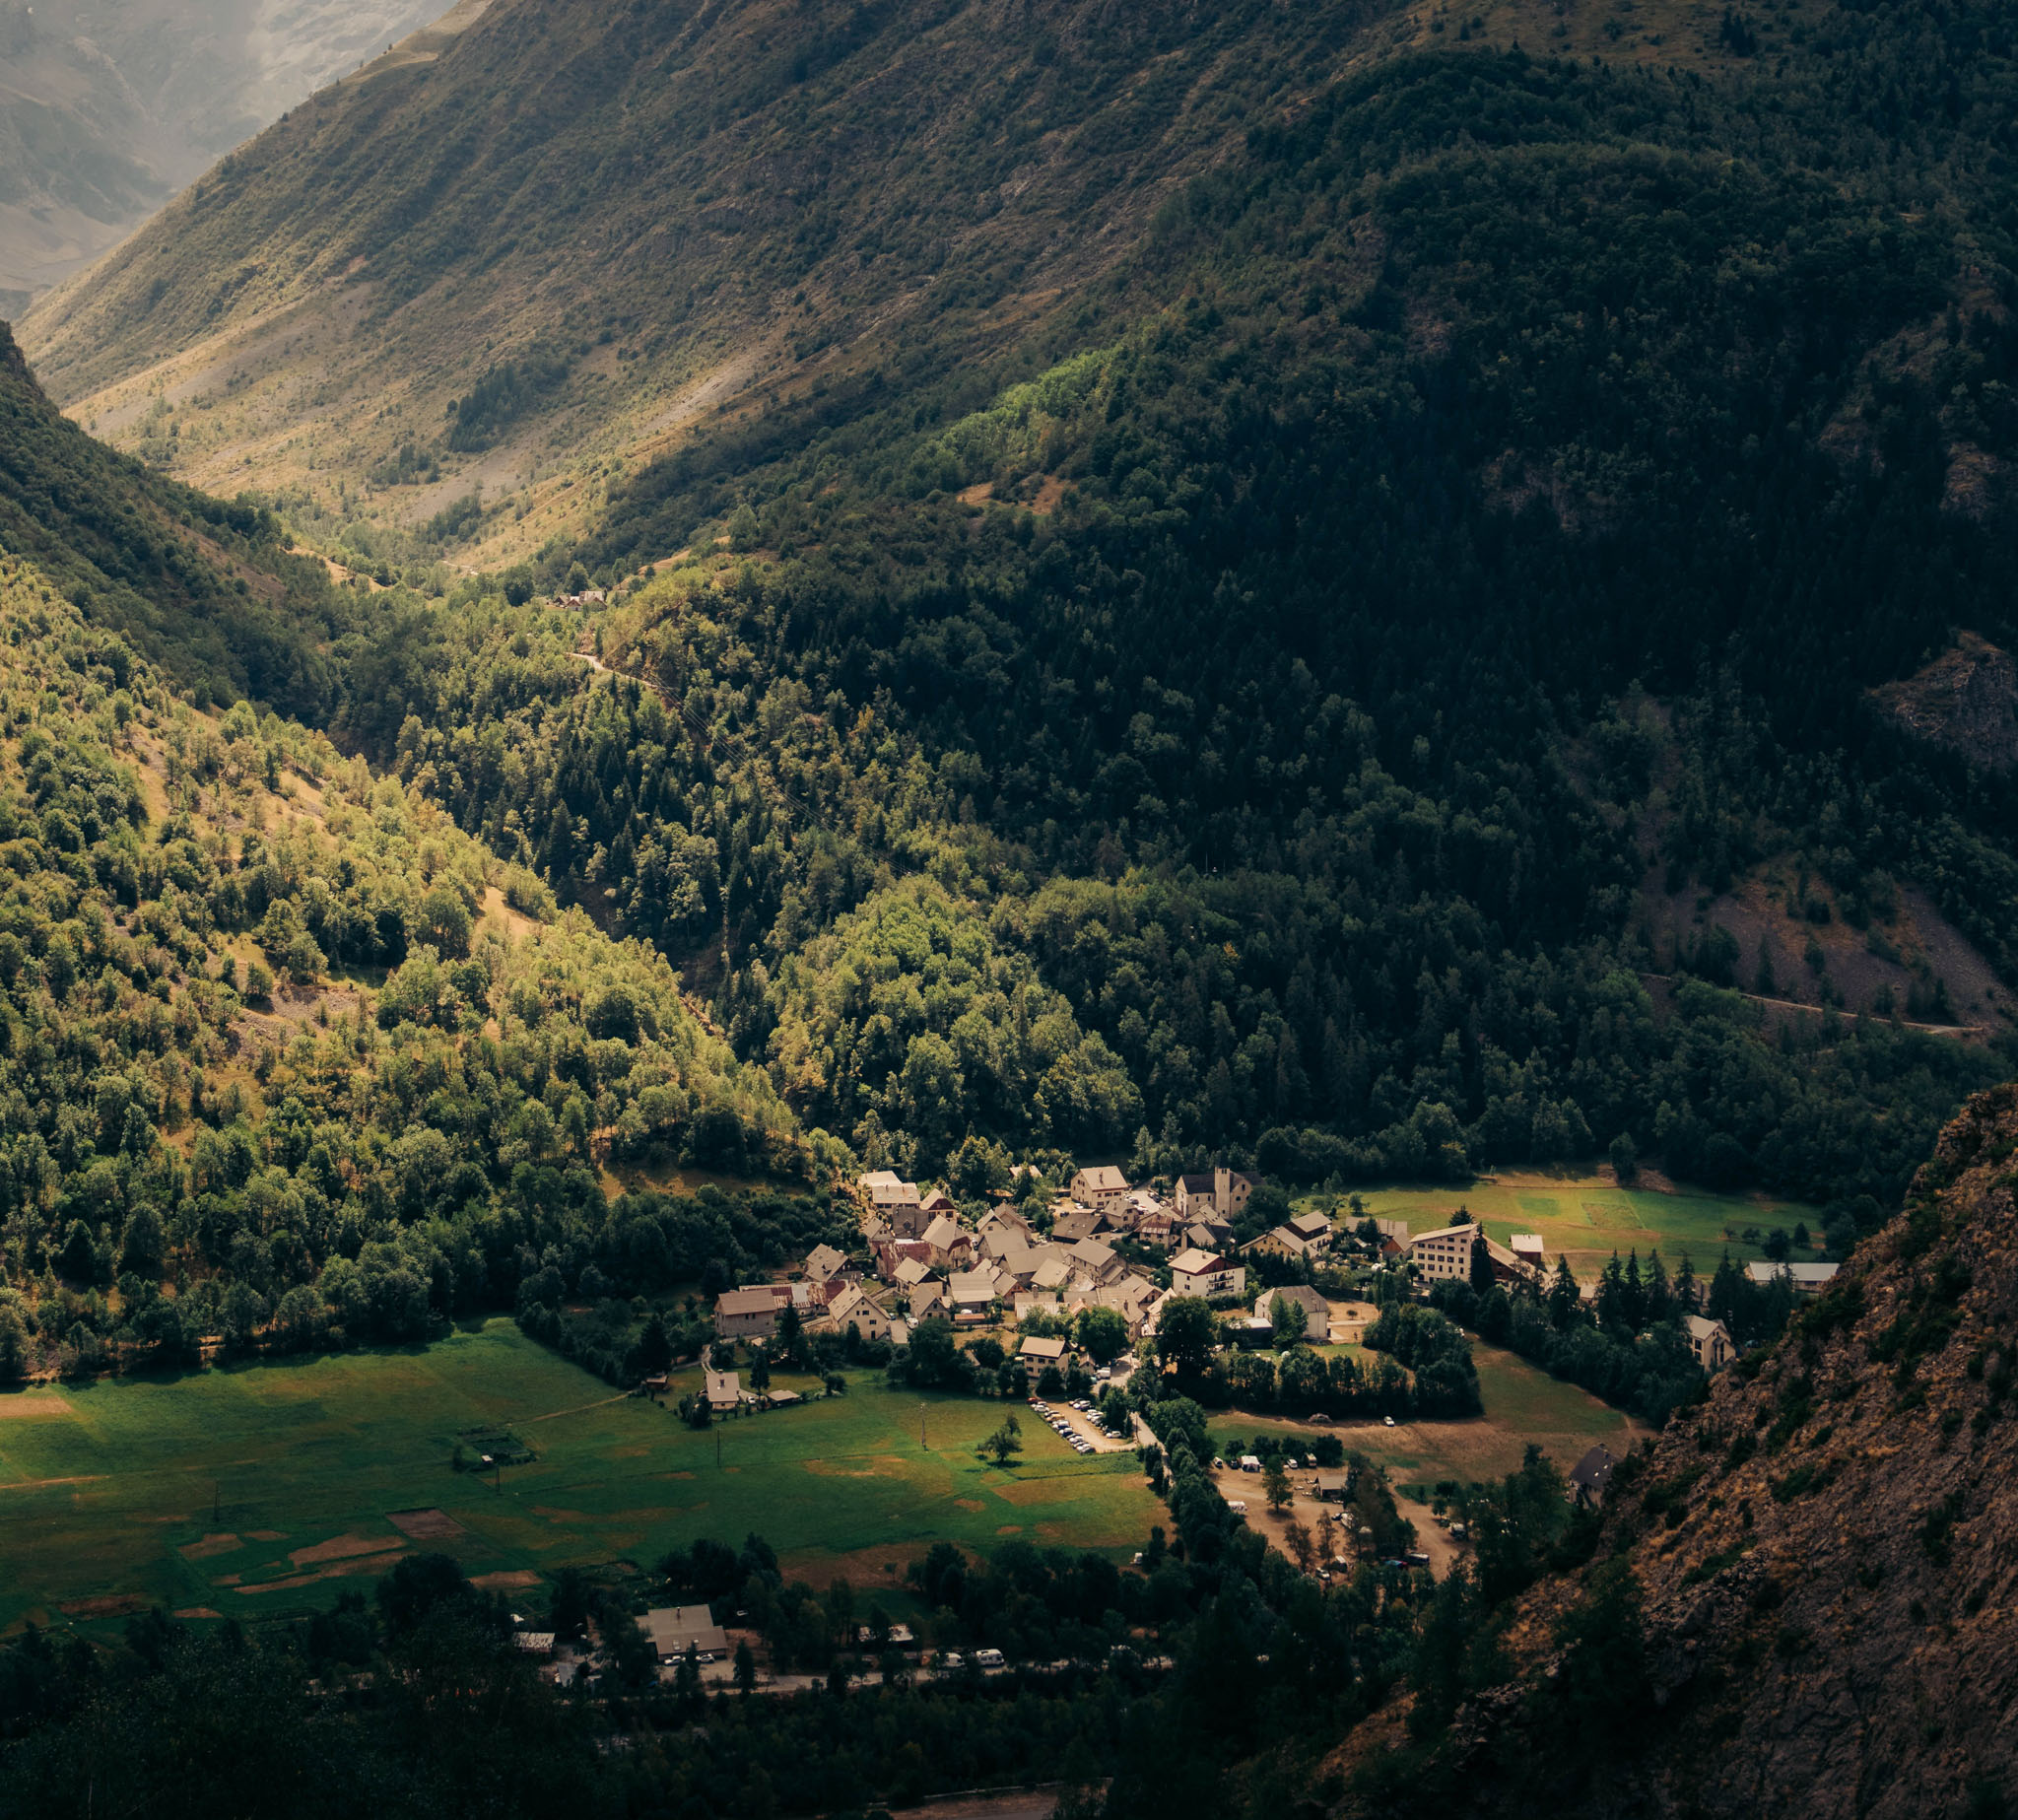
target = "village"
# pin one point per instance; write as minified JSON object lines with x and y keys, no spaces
{"x":1029,"y":1272}
{"x":1058,"y":1293}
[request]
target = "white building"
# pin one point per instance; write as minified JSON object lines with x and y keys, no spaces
{"x":1206,"y":1274}
{"x":1444,"y":1253}
{"x":1104,"y":1189}
{"x":1807,"y":1279}
{"x":1710,"y":1341}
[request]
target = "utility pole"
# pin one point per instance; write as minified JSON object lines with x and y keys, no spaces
{"x":923,"y":1441}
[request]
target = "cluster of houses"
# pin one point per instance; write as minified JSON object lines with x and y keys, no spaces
{"x":1446,"y":1253}
{"x":925,"y":1261}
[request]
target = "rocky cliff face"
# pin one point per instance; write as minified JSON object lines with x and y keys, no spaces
{"x":1966,"y":701}
{"x":1825,"y":1552}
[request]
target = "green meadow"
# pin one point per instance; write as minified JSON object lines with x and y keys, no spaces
{"x":1522,"y":1404}
{"x":267,"y":1489}
{"x":1590,"y":1218}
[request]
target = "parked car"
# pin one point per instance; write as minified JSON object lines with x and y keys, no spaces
{"x":1387,"y":1421}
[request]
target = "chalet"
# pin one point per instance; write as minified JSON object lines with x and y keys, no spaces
{"x":972,"y":1294}
{"x":1053,"y":1273}
{"x":894,"y":1202}
{"x":1097,"y":1263}
{"x":890,"y":1253}
{"x":950,"y":1243}
{"x":675,"y":1628}
{"x":1710,"y":1341}
{"x":1104,"y":1189}
{"x":938,"y":1204}
{"x":1131,"y":1299}
{"x":1300,"y":1237}
{"x":1004,"y":1219}
{"x":1807,"y":1279}
{"x":723,"y":1389}
{"x":824,"y":1263}
{"x":1205,"y":1273}
{"x":852,"y":1308}
{"x":746,"y":1314}
{"x":1591,"y":1475}
{"x":1040,"y":1351}
{"x":1074,"y":1224}
{"x":1317,"y":1311}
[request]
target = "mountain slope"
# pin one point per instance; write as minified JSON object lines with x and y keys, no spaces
{"x":281,"y":1049}
{"x":107,"y":108}
{"x":204,"y":588}
{"x":583,"y":228}
{"x":1818,"y":1564}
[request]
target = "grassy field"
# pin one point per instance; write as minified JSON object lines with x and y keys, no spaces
{"x":1521,"y":1404}
{"x":268,"y":1489}
{"x":1589,"y":1218}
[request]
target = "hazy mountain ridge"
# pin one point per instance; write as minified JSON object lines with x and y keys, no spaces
{"x":108,"y":106}
{"x":665,"y":208}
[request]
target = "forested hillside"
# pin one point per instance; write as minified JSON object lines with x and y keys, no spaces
{"x":1272,"y":726}
{"x":1327,"y":684}
{"x":284,"y":1056}
{"x":205,"y":588}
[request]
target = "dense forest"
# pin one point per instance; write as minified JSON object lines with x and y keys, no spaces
{"x":284,"y":1053}
{"x":1259,"y":731}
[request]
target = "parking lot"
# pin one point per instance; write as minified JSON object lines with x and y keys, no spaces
{"x":1079,"y":1425}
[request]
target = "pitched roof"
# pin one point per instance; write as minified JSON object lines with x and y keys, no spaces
{"x":1302,"y":1294}
{"x":1594,"y":1469}
{"x":758,"y":1300}
{"x":973,"y":1285}
{"x":1034,"y":1347}
{"x":1447,"y":1232}
{"x":823,"y":1261}
{"x":1196,"y":1262}
{"x":943,"y":1232}
{"x":1700,"y":1329}
{"x":1807,"y":1276}
{"x":674,"y":1629}
{"x":1105,"y":1179}
{"x":1312,"y":1225}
